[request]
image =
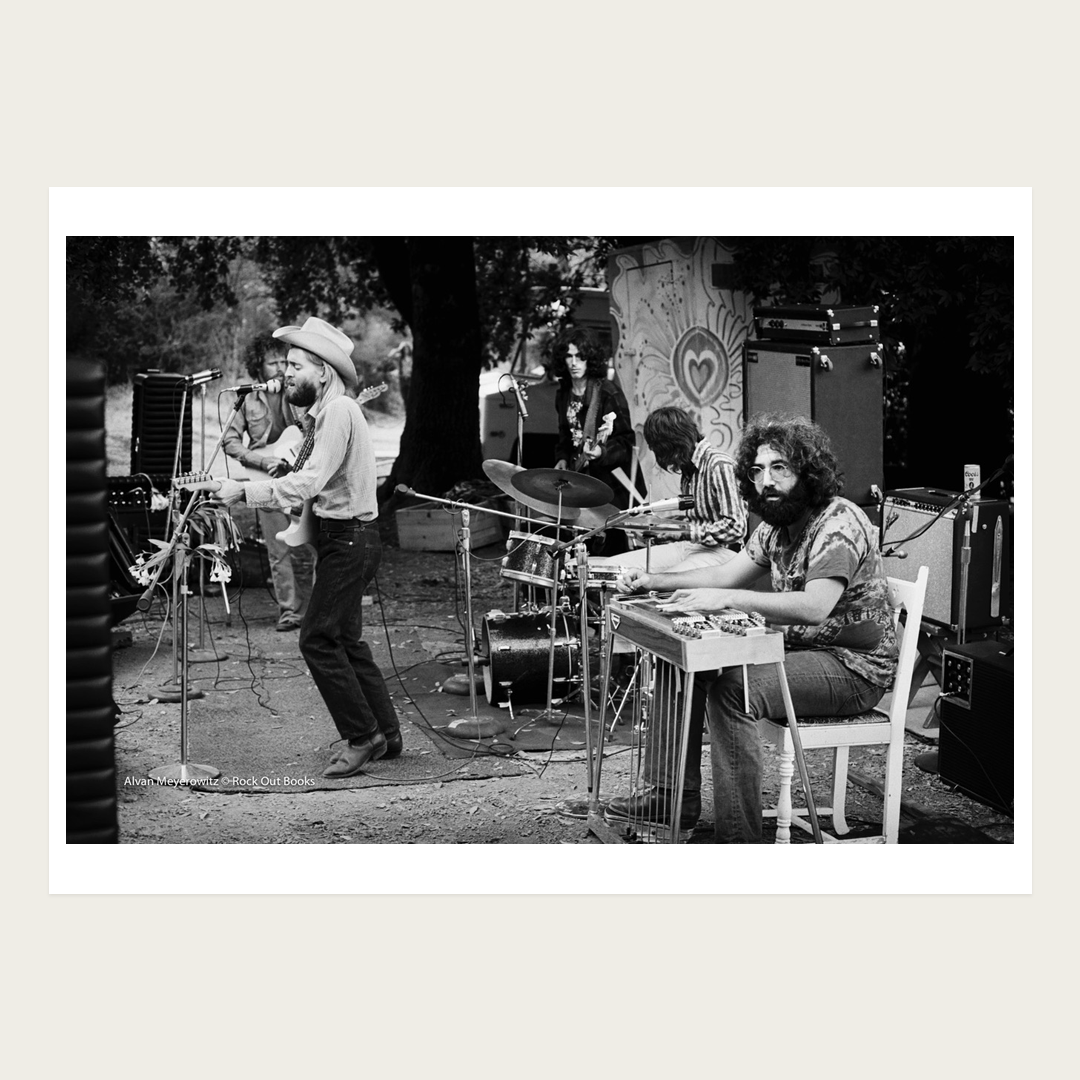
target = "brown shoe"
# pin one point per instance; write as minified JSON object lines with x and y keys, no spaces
{"x":654,"y":808}
{"x":394,"y":745}
{"x":355,"y":755}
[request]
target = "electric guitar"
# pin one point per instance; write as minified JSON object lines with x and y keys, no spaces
{"x":286,"y":446}
{"x":602,"y":433}
{"x":303,"y":525}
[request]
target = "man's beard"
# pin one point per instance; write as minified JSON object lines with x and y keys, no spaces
{"x":302,"y":395}
{"x":783,"y":511}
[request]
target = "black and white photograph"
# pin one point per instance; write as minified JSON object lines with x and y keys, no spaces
{"x":445,"y":543}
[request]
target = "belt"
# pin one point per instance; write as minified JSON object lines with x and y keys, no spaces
{"x":335,"y":524}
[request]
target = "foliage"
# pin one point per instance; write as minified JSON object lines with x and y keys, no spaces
{"x":925,"y":286}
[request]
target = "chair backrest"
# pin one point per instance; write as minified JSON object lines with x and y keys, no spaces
{"x":907,"y":596}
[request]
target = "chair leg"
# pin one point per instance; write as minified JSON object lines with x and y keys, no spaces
{"x":839,"y":793}
{"x":894,"y":775}
{"x":785,"y":769}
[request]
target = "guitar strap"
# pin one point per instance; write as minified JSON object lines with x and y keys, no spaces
{"x":589,"y":427}
{"x":308,"y":424}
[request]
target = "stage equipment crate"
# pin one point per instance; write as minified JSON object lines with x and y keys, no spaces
{"x":436,"y":528}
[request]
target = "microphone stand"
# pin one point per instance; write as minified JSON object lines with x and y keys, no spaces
{"x":203,"y":655}
{"x":521,"y":417}
{"x":470,"y":646}
{"x":185,"y":771}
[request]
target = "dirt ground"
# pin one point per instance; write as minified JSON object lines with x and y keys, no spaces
{"x":428,"y":796}
{"x":414,"y":616}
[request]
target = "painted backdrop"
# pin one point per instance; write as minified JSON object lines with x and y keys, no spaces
{"x":679,"y":336}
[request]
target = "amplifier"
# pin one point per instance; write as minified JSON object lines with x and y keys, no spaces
{"x":987,"y":522}
{"x":843,"y":324}
{"x":840,"y":387}
{"x":160,"y":418}
{"x":975,"y":748}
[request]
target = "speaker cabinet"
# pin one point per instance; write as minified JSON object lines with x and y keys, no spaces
{"x":987,"y":522}
{"x":840,"y":387}
{"x":160,"y":413}
{"x":975,"y":748}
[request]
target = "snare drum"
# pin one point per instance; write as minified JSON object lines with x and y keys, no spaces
{"x":530,"y":558}
{"x":516,"y":651}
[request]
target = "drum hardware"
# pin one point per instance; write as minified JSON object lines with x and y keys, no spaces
{"x":529,"y":558}
{"x":515,"y":650}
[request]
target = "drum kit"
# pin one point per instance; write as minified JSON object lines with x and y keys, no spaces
{"x":543,"y":644}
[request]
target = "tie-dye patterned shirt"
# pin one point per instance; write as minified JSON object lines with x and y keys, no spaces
{"x":837,"y":542}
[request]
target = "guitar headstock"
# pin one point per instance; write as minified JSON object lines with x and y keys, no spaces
{"x":196,"y":481}
{"x":606,"y":427}
{"x":371,"y":393}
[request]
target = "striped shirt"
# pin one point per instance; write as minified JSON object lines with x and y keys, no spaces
{"x":718,"y":516}
{"x":340,"y":473}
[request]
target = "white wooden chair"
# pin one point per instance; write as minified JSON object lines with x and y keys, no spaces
{"x":874,"y":728}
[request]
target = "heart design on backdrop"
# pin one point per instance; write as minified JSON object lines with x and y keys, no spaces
{"x":700,"y":365}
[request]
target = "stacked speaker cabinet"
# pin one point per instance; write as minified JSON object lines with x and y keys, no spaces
{"x":985,"y":525}
{"x":841,"y":387}
{"x":975,"y":748}
{"x":160,"y":413}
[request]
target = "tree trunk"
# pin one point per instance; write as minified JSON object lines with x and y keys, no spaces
{"x":440,"y":445}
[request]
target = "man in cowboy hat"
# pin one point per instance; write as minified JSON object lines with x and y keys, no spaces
{"x":339,"y":475}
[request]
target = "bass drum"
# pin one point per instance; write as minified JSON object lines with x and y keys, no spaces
{"x":516,"y":650}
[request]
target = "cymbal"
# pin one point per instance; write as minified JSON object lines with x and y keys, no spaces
{"x":500,"y":473}
{"x":594,"y":517}
{"x":576,"y":489}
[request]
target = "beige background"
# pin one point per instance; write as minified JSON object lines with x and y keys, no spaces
{"x":121,"y":94}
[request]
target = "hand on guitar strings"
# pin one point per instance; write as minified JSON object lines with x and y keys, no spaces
{"x":698,"y":600}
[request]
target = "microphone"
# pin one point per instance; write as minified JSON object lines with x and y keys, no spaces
{"x":677,"y":502}
{"x":273,"y":386}
{"x":520,"y":395}
{"x":204,"y":376}
{"x":404,"y":489}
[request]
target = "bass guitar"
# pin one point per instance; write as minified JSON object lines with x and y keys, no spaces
{"x":602,"y":434}
{"x":303,"y":525}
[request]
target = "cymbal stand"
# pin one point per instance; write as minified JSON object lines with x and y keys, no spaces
{"x":556,"y":571}
{"x":470,"y":649}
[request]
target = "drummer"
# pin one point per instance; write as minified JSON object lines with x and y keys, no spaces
{"x":716,"y":523}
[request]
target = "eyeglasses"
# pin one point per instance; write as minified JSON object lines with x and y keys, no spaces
{"x":778,"y":470}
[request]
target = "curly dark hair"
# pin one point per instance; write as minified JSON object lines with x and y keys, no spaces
{"x":596,"y":364}
{"x":672,"y":436}
{"x":256,"y":352}
{"x":802,"y":443}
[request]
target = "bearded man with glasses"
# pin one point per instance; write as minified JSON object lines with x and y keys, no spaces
{"x":830,"y":598}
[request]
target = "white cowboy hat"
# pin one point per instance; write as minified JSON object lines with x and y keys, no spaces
{"x":326,"y":342}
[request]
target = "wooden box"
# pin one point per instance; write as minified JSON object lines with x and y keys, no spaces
{"x":436,"y":528}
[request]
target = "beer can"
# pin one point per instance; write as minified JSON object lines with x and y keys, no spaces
{"x":972,"y":477}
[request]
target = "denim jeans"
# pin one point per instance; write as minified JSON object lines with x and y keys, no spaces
{"x":351,"y":684}
{"x":820,"y":686}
